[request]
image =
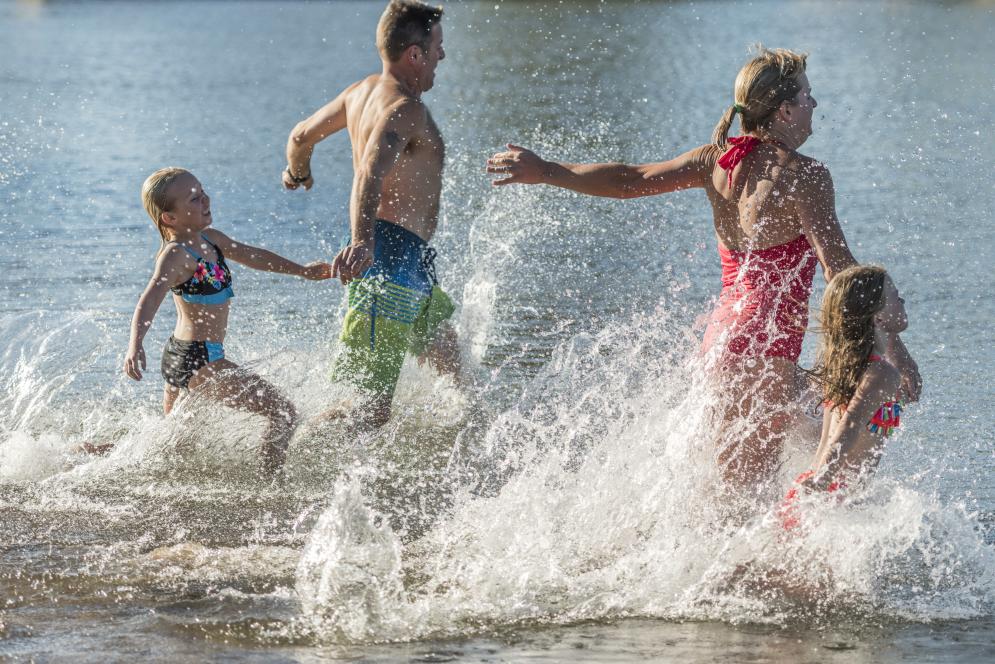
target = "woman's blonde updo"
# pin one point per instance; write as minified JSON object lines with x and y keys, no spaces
{"x":763,"y":84}
{"x":851,"y":301}
{"x":155,"y":197}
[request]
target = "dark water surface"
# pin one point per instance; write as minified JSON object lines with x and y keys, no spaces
{"x":559,"y":509}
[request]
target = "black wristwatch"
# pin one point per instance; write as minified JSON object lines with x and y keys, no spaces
{"x":296,"y":179}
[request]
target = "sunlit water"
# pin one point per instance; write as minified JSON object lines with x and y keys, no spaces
{"x":565,"y":505}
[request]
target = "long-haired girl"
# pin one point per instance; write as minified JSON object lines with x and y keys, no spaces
{"x":862,"y":315}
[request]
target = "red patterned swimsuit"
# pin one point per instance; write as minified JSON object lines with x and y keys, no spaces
{"x":763,"y":308}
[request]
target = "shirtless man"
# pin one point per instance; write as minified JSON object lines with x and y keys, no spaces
{"x":395,"y":303}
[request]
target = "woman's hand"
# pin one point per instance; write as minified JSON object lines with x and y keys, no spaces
{"x":134,"y":362}
{"x":520,"y":165}
{"x":317,"y":271}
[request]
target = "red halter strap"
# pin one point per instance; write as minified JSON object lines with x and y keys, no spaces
{"x":741,"y":146}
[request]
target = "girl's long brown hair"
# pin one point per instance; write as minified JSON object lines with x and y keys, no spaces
{"x":851,"y":301}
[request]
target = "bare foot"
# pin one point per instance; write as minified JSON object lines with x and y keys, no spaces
{"x":95,"y":448}
{"x":333,"y":413}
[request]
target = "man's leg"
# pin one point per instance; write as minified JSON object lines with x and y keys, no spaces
{"x":372,"y":353}
{"x":375,"y":411}
{"x":433,"y":338}
{"x":442,"y":353}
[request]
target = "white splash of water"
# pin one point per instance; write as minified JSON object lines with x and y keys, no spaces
{"x":349,"y":575}
{"x":598,"y":496}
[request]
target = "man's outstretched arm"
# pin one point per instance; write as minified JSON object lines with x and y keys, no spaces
{"x":327,"y":120}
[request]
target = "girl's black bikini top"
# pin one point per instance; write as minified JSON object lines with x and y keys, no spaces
{"x":210,"y":283}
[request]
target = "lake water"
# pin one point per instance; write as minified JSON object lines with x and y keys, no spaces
{"x":563,"y":506}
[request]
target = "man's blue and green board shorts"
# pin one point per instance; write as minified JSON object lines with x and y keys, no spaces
{"x":395,"y":308}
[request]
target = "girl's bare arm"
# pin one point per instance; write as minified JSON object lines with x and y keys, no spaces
{"x":263,"y":259}
{"x":171,"y":269}
{"x":851,"y":449}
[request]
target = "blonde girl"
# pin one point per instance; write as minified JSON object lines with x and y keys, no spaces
{"x":191,"y":264}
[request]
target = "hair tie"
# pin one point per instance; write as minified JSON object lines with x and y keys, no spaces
{"x":736,"y":108}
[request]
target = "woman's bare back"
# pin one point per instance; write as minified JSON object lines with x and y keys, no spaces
{"x":759,"y":210}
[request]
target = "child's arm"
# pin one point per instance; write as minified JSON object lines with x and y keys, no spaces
{"x":900,"y":357}
{"x":263,"y":259}
{"x":169,"y":271}
{"x":849,"y":452}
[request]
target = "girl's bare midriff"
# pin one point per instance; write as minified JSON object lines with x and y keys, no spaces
{"x":200,"y":322}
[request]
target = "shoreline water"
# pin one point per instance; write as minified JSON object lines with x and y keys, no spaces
{"x":571,"y":483}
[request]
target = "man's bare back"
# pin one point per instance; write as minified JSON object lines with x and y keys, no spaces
{"x":397,"y":150}
{"x":410,"y":192}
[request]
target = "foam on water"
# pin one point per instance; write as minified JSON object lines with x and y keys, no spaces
{"x":573,"y":477}
{"x":598,"y":499}
{"x":595,"y":495}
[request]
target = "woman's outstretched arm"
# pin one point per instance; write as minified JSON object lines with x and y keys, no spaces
{"x":522,"y":166}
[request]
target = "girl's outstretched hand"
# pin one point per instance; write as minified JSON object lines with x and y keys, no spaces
{"x":351,"y":262}
{"x":134,"y":362}
{"x":317,"y":271}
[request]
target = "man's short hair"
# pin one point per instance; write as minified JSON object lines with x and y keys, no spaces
{"x":405,"y":22}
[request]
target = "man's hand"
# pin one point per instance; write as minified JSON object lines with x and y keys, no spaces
{"x":352,"y":261}
{"x":520,"y":165}
{"x":317,"y":271}
{"x":290,"y":183}
{"x":133,"y":360}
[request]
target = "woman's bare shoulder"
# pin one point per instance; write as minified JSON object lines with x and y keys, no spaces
{"x":808,"y":173}
{"x":809,"y":166}
{"x":705,"y":155}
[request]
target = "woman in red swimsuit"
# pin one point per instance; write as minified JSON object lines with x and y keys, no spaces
{"x":775,"y":217}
